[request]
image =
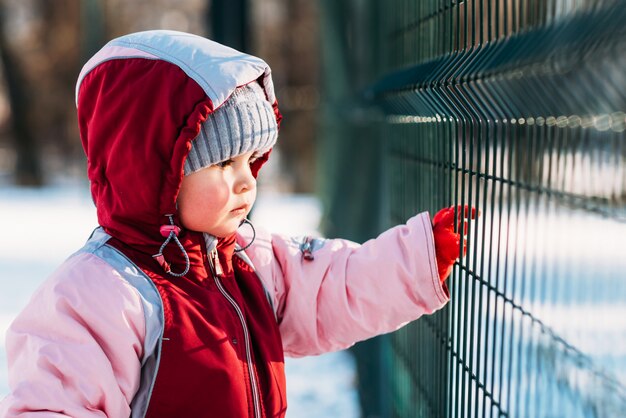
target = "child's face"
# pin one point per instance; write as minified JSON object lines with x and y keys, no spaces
{"x":217,"y":198}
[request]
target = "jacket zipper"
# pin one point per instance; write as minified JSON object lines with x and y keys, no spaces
{"x":217,"y":271}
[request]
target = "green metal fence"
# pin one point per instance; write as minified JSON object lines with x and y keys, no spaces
{"x":516,"y":107}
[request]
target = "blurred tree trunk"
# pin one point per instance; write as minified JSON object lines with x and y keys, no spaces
{"x":53,"y":70}
{"x":230,"y":24}
{"x":300,"y":94}
{"x":28,"y":170}
{"x":92,"y":33}
{"x":286,"y":35}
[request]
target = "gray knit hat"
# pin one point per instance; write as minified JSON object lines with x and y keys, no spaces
{"x":245,"y":122}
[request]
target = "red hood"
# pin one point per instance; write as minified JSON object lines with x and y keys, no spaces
{"x":137,"y":117}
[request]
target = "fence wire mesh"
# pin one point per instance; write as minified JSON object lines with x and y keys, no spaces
{"x":516,"y":107}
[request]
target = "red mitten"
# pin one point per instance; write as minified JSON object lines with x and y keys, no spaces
{"x":448,"y":242}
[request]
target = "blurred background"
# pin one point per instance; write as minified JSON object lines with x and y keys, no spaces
{"x":517,"y":107}
{"x":44,"y":44}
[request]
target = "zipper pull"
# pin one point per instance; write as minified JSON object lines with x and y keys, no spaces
{"x":216,"y":263}
{"x":307,"y":249}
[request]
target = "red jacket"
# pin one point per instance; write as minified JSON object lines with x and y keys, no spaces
{"x":217,"y":359}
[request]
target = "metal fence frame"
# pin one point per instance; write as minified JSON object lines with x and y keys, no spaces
{"x":517,"y":108}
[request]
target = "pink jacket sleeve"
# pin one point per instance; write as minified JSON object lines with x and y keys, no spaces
{"x":349,"y":292}
{"x":75,"y":350}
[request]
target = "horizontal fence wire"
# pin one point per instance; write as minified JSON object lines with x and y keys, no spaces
{"x":516,"y":107}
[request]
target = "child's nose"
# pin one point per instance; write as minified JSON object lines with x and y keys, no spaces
{"x":245,"y":180}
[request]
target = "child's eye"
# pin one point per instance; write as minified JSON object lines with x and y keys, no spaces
{"x":225,"y":164}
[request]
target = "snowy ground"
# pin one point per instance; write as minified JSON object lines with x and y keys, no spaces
{"x":42,"y":227}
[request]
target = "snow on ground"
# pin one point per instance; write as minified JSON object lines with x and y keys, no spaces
{"x":41,"y":227}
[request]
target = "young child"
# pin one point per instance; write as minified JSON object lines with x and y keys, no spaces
{"x":176,"y":306}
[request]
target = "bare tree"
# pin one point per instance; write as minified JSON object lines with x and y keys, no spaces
{"x":229,"y":21}
{"x":28,"y":162}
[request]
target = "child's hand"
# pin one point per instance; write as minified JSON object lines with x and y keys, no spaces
{"x":447,"y":242}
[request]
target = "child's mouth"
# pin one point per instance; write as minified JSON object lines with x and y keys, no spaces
{"x":240,"y":210}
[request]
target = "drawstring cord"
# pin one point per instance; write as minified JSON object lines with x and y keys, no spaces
{"x":246,"y":221}
{"x":170,"y":232}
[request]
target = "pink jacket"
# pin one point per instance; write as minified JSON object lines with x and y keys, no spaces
{"x":87,"y":360}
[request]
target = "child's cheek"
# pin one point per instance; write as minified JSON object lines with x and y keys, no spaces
{"x":217,"y":197}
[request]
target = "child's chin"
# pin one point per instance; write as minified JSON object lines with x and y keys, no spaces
{"x":225,"y":232}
